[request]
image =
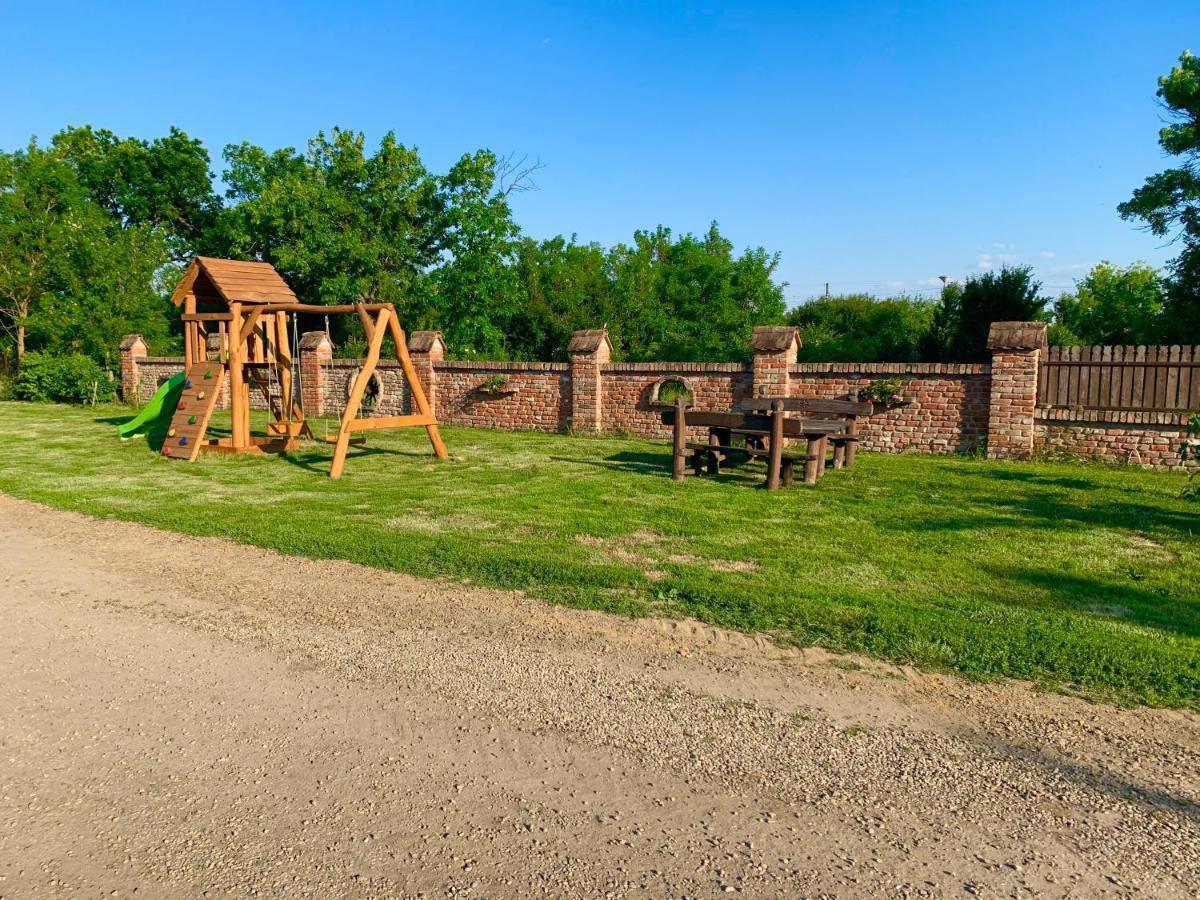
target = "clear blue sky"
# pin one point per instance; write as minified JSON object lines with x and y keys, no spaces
{"x":875,"y":145}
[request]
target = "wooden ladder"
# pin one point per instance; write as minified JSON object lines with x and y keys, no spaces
{"x":196,"y":404}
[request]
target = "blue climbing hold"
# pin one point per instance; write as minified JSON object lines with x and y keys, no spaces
{"x":182,"y":441}
{"x":188,"y":383}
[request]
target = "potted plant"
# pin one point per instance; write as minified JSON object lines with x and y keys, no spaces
{"x":496,"y":386}
{"x":887,"y":393}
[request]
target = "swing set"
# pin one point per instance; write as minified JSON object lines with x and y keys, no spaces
{"x":246,"y":306}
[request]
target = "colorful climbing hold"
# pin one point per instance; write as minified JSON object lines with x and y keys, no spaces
{"x":187,"y":383}
{"x":208,"y":374}
{"x":183,"y":441}
{"x":200,"y":396}
{"x":166,"y":451}
{"x":182,"y":405}
{"x":170,"y":432}
{"x":191,"y":420}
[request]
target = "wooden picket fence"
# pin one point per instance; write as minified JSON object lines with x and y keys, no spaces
{"x":1147,"y":379}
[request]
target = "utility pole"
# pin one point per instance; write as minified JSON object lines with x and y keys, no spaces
{"x":827,"y":290}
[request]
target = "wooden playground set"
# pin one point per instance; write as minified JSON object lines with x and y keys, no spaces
{"x":247,"y":305}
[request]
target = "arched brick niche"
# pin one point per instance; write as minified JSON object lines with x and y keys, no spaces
{"x":664,"y":391}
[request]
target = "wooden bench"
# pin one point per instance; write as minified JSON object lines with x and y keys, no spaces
{"x":768,"y":432}
{"x":845,"y":441}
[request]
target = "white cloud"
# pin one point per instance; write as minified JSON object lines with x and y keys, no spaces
{"x":1047,"y":254}
{"x":988,"y":261}
{"x":895,"y":285}
{"x":545,"y":41}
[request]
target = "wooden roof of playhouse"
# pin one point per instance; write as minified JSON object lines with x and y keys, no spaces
{"x":226,"y":281}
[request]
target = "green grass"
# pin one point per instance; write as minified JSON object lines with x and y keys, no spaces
{"x":1079,"y":577}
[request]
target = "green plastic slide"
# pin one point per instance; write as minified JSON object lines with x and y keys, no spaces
{"x":159,"y":410}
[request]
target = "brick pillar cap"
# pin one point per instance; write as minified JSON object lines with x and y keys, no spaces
{"x":426,"y":342}
{"x":132,"y":340}
{"x":775,"y":338}
{"x":589,"y":340}
{"x":314,"y":340}
{"x":1017,"y":336}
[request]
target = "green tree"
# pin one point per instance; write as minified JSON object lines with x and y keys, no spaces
{"x":862,"y":328}
{"x":1168,"y":203}
{"x":476,"y":291}
{"x":1008,"y":295}
{"x":72,"y":279}
{"x":565,"y":286}
{"x":164,"y":183}
{"x":1112,"y":305}
{"x":690,"y":298}
{"x":938,"y":342}
{"x":38,"y":192}
{"x":337,"y":223}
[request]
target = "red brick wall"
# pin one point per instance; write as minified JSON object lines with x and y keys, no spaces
{"x":951,"y":408}
{"x":1141,"y":438}
{"x":540,"y":401}
{"x":628,"y":387}
{"x":947,"y":410}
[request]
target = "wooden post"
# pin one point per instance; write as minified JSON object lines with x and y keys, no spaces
{"x":239,"y":397}
{"x":414,"y":383}
{"x":283,"y":358}
{"x":189,"y":333}
{"x":851,"y":446}
{"x":679,"y":439}
{"x":350,"y":413}
{"x":810,"y":464}
{"x":775,"y":451}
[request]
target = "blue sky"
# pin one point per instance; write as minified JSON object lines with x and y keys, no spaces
{"x":875,"y":145}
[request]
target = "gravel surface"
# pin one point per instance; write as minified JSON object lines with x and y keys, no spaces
{"x":188,"y":717}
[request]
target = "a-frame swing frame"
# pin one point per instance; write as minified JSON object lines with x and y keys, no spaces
{"x":385,"y":322}
{"x":249,"y":303}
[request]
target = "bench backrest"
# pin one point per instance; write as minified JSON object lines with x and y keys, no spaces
{"x":752,"y":422}
{"x":812,"y":406}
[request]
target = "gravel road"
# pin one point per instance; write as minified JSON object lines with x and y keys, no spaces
{"x":189,"y":717}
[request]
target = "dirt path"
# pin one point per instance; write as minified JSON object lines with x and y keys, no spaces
{"x":187,"y":717}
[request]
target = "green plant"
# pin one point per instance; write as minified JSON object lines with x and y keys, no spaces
{"x":884,"y":391}
{"x":670,"y":391}
{"x":1190,"y":450}
{"x":62,"y":379}
{"x":495,"y":386}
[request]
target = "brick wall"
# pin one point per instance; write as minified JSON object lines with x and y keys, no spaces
{"x":950,"y":407}
{"x":1142,"y":438}
{"x":537,"y":396}
{"x":946,"y":412}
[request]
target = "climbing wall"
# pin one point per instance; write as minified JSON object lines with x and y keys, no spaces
{"x":196,"y":404}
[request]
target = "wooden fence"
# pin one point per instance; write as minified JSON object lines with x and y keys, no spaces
{"x":1148,"y":379}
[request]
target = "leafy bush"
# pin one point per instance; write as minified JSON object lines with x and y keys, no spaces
{"x":62,"y":379}
{"x":884,"y":392}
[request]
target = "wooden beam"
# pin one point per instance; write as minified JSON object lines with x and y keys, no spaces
{"x":207,"y":317}
{"x":251,"y":320}
{"x":391,"y":422}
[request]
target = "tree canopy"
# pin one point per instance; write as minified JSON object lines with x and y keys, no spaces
{"x":1168,"y":203}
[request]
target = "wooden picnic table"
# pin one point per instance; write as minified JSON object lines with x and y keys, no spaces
{"x":845,"y":442}
{"x":765,"y":432}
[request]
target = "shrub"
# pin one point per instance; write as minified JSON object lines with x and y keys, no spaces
{"x":62,"y":379}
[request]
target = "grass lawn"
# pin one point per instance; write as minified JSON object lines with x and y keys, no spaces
{"x":1077,"y":576}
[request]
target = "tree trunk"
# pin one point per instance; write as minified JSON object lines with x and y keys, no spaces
{"x":20,"y":344}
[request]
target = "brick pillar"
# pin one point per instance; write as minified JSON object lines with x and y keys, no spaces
{"x":1016,"y":347}
{"x":427,"y":348}
{"x":590,"y":350}
{"x":776,"y":349}
{"x":316,"y":350}
{"x":133,"y":349}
